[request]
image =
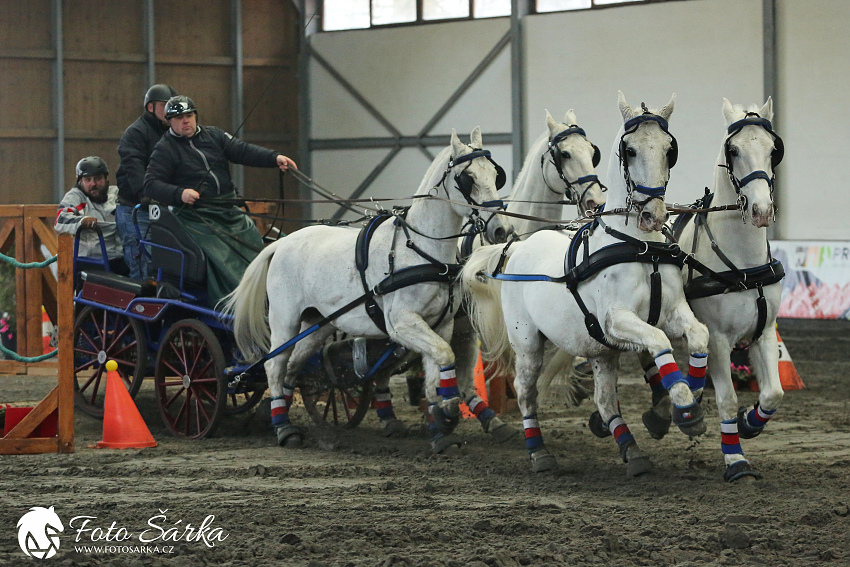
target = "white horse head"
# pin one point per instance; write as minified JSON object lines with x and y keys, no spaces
{"x":468,"y":174}
{"x":574,"y":159}
{"x":750,"y":152}
{"x":646,"y":152}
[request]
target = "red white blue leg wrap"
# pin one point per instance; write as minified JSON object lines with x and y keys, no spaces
{"x":384,"y":404}
{"x":448,"y":383}
{"x":668,"y":369}
{"x":730,"y":443}
{"x":751,"y":423}
{"x":480,"y":409}
{"x":653,"y":378}
{"x":281,"y":405}
{"x":533,"y":437}
{"x":696,"y":371}
{"x":622,"y":435}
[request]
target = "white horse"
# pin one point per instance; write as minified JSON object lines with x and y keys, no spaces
{"x":614,"y":299}
{"x":559,"y":169}
{"x":744,"y":178}
{"x":312,"y":273}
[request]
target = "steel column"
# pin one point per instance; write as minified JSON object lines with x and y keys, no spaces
{"x":771,"y":83}
{"x":58,"y":103}
{"x":238,"y":90}
{"x":519,"y":8}
{"x":149,"y":42}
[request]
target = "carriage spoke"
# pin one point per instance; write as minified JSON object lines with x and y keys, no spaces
{"x":175,"y":396}
{"x":84,"y":366}
{"x":96,"y":387}
{"x":117,"y":338}
{"x":88,"y":339}
{"x":170,"y":367}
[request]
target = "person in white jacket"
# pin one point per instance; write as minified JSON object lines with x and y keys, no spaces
{"x":91,"y":203}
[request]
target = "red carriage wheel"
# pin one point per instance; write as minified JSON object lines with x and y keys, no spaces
{"x":101,"y":335}
{"x":189,"y":380}
{"x":242,"y":399}
{"x":338,"y":405}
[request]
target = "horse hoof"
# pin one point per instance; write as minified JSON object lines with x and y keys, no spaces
{"x":500,"y":431}
{"x":741,"y":471}
{"x":638,"y":466}
{"x":745,"y":430}
{"x":542,"y":461}
{"x":445,"y":419}
{"x":690,"y":419}
{"x":290,"y":436}
{"x":656,"y":425}
{"x":443,"y":444}
{"x":597,"y":426}
{"x":393,"y":428}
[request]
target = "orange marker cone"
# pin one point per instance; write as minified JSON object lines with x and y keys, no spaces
{"x":788,"y":376}
{"x":123,"y":426}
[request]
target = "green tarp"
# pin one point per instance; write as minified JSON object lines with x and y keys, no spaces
{"x":229,"y":239}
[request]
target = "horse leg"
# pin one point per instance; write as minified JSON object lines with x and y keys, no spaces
{"x":464,"y":344}
{"x":288,"y":435}
{"x":391,"y":426}
{"x":746,"y":422}
{"x":529,"y":361}
{"x":605,"y":370}
{"x":684,"y":323}
{"x":625,"y":325}
{"x":657,"y":418}
{"x":411,"y":331}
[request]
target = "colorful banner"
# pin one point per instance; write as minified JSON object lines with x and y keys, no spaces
{"x":817,"y":278}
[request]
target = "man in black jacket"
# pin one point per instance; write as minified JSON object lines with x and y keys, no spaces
{"x":191,"y":163}
{"x":135,"y":148}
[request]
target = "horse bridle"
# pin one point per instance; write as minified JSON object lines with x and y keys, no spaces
{"x":464,"y":183}
{"x":570,"y":192}
{"x":752,"y":119}
{"x":672,"y":156}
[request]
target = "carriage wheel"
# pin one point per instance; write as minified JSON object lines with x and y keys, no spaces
{"x":243,"y":399}
{"x":340,"y":406}
{"x":189,"y":380}
{"x":101,"y":335}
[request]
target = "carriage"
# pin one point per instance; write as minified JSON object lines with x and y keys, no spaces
{"x":164,"y":329}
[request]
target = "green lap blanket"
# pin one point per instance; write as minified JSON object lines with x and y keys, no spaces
{"x":229,"y":239}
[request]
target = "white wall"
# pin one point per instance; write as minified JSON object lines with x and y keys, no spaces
{"x":814,"y":75}
{"x":407,"y":73}
{"x":694,"y":49}
{"x":703,"y":50}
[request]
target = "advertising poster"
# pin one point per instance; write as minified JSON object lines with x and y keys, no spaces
{"x":817,"y":278}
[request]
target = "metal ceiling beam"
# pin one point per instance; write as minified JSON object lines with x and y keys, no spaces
{"x":401,"y":142}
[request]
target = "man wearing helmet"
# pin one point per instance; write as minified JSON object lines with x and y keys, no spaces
{"x":135,"y":148}
{"x":89,"y":204}
{"x":191,"y":163}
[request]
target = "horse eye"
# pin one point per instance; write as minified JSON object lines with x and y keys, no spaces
{"x":733,"y":151}
{"x":631,"y":152}
{"x":566,"y":155}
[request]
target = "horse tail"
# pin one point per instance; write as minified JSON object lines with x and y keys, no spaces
{"x":249,"y":307}
{"x":483,"y":298}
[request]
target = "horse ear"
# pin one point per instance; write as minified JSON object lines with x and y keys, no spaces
{"x":767,"y":110}
{"x":728,"y":111}
{"x":457,"y":146}
{"x":553,"y":126}
{"x":667,"y":109}
{"x":625,"y":110}
{"x":570,"y":118}
{"x":475,"y":138}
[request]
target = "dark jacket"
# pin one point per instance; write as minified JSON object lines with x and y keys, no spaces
{"x":135,"y":149}
{"x":200,"y":163}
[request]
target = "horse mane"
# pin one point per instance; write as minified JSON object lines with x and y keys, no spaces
{"x":435,"y":171}
{"x":529,"y":164}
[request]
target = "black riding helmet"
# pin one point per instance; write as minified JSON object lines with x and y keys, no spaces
{"x":178,"y":106}
{"x":91,"y":165}
{"x":159,"y":93}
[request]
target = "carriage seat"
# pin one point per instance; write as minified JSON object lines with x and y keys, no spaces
{"x":112,"y":289}
{"x":168,"y":232}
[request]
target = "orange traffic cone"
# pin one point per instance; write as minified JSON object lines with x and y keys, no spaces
{"x":480,"y":387}
{"x":46,"y":332}
{"x":123,"y":426}
{"x":788,"y":375}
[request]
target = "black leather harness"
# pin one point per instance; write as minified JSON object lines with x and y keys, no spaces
{"x":735,"y":279}
{"x":432,"y":272}
{"x":629,"y":250}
